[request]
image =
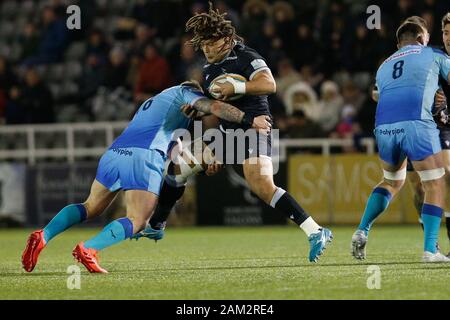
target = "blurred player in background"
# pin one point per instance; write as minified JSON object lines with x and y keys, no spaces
{"x":441,"y":116}
{"x":404,"y":129}
{"x":226,"y":53}
{"x":133,"y":163}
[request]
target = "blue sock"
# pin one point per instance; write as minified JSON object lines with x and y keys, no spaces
{"x":67,"y":217}
{"x":431,"y":217}
{"x":113,"y":233}
{"x":376,"y":204}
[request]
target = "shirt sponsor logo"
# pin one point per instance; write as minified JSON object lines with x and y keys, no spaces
{"x":123,"y":152}
{"x":388,"y":132}
{"x":258,"y":63}
{"x":403,"y":54}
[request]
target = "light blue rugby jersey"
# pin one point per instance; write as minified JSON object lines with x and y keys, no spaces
{"x":157,"y":118}
{"x":407,"y":82}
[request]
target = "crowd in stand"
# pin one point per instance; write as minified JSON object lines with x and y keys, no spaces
{"x":321,"y":52}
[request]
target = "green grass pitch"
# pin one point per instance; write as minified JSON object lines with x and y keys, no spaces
{"x":229,"y":263}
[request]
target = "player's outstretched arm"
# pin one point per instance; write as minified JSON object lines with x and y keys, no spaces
{"x":230,"y":113}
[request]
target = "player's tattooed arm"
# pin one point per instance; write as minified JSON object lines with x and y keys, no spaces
{"x":230,"y":113}
{"x":220,"y":109}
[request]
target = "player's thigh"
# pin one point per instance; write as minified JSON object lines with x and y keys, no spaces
{"x":99,"y":199}
{"x":434,"y":161}
{"x":258,"y":171}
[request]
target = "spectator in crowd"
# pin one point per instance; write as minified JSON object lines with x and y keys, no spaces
{"x":353,"y":96}
{"x":405,"y":9}
{"x":299,"y":126}
{"x":29,"y":39}
{"x":154,"y":74}
{"x":286,"y":76}
{"x":143,"y":34}
{"x":54,"y":39}
{"x":116,"y":69}
{"x":300,"y":96}
{"x":310,"y":75}
{"x":7,"y":80}
{"x":283,"y":17}
{"x":330,"y":106}
{"x":98,"y":46}
{"x":384,"y":45}
{"x":305,"y":50}
{"x":188,"y":59}
{"x":232,"y":15}
{"x":31,"y":102}
{"x":14,"y":111}
{"x":361,"y":52}
{"x":254,"y":15}
{"x":353,"y":101}
{"x":92,"y":77}
{"x":269,"y":44}
{"x":365,"y":118}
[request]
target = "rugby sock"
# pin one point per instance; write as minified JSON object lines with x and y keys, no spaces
{"x":286,"y":204}
{"x":67,"y":217}
{"x":378,"y":202}
{"x":431,"y":217}
{"x":113,"y":233}
{"x":310,"y":226}
{"x":169,"y":195}
{"x":447,"y":223}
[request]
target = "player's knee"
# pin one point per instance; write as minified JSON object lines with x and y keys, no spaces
{"x":395,"y":179}
{"x":92,"y":208}
{"x":395,"y":184}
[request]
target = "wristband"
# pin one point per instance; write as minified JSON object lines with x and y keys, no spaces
{"x":239,"y":87}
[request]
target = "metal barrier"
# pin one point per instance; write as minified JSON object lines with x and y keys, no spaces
{"x":31,"y":153}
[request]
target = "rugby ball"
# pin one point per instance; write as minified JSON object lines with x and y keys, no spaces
{"x":228,"y":77}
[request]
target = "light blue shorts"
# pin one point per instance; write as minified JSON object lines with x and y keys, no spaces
{"x":416,"y":140}
{"x":131,"y":169}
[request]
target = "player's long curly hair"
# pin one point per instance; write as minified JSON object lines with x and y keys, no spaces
{"x":211,"y":26}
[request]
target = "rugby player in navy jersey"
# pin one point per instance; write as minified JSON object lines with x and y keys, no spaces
{"x":226,"y":53}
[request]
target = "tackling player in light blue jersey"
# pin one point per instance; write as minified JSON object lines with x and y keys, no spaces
{"x":134,"y":163}
{"x":404,"y":128}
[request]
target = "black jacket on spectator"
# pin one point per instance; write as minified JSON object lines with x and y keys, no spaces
{"x":37,"y":103}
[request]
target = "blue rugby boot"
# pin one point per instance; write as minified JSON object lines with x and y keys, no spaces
{"x":318,"y":243}
{"x":150,"y":233}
